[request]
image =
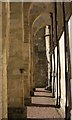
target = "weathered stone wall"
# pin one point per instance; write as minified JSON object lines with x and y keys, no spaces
{"x":40,"y":73}
{"x":41,"y":70}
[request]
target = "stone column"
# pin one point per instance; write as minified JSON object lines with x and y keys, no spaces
{"x":5,"y":48}
{"x":70,"y":45}
{"x":22,"y":69}
{"x":56,"y":74}
{"x":47,"y":39}
{"x":32,"y":82}
{"x":33,"y":74}
{"x":29,"y":76}
{"x":52,"y":73}
{"x":15,"y":57}
{"x":26,"y":56}
{"x":1,"y":60}
{"x":16,"y":73}
{"x":62,"y":63}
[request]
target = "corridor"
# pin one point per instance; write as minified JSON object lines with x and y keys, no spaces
{"x":43,"y":107}
{"x":36,"y":61}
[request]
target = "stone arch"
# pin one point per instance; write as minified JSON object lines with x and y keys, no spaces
{"x":39,"y":8}
{"x":41,"y":21}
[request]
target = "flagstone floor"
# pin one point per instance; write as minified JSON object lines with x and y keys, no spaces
{"x":43,"y":106}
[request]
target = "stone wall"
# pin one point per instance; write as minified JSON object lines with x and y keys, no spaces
{"x":41,"y":66}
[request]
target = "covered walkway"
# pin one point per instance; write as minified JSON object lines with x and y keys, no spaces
{"x":36,"y":59}
{"x":43,"y":106}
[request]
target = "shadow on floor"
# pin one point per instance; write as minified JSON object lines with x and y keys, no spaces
{"x":43,"y":96}
{"x":42,"y":108}
{"x":42,"y":105}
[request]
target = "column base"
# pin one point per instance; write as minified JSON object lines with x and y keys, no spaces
{"x":58,"y":106}
{"x":27,"y":101}
{"x":34,"y":89}
{"x":68,"y":114}
{"x":31,"y":93}
{"x":48,"y":88}
{"x":17,"y":113}
{"x":68,"y":118}
{"x":53,"y":95}
{"x":58,"y":102}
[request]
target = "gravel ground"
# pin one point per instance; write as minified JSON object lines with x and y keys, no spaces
{"x":43,"y":106}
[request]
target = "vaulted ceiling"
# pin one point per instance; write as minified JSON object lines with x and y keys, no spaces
{"x":39,"y":15}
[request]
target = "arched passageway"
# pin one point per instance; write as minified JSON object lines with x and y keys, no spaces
{"x":36,"y":60}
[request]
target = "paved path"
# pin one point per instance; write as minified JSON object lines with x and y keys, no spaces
{"x":43,"y":106}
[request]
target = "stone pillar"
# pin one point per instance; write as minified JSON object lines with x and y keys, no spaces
{"x":32,"y":81}
{"x":26,"y":56}
{"x":23,"y":76}
{"x":70,"y":45}
{"x":16,"y":74}
{"x":56,"y":75}
{"x":30,"y":61}
{"x":15,"y":57}
{"x":33,"y":75}
{"x":5,"y":48}
{"x":62,"y":63}
{"x":52,"y":72}
{"x":47,"y":39}
{"x":1,"y":60}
